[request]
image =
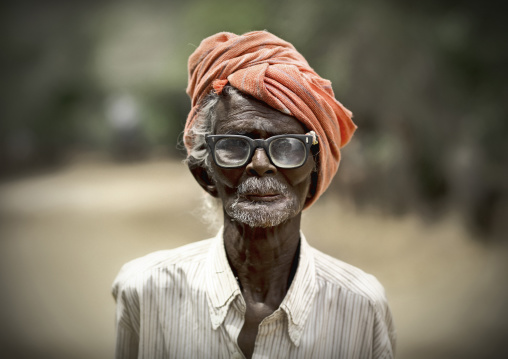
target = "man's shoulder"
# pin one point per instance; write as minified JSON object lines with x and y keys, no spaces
{"x":163,"y":259}
{"x":334,"y":272}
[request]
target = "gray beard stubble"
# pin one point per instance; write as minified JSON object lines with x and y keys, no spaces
{"x":258,"y":214}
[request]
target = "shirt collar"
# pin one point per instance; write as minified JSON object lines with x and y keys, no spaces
{"x":222,"y":287}
{"x":221,"y":284}
{"x":298,"y":301}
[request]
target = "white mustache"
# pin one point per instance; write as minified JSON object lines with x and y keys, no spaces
{"x":262,"y":186}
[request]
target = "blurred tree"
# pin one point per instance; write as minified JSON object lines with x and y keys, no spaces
{"x":425,"y":80}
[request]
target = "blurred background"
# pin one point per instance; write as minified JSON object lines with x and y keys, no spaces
{"x":92,"y":104}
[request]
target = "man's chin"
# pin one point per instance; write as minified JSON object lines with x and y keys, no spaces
{"x":259,"y":221}
{"x":262,"y":214}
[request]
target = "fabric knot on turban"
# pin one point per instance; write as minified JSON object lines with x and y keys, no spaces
{"x":271,"y":70}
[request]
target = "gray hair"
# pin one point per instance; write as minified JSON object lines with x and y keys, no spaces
{"x":197,"y":155}
{"x":204,"y":124}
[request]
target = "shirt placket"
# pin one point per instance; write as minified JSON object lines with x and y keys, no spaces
{"x":233,"y":323}
{"x":270,"y":337}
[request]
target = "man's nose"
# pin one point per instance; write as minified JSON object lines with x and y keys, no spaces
{"x":260,"y":164}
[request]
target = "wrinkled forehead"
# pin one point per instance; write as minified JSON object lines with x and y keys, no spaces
{"x":246,"y":115}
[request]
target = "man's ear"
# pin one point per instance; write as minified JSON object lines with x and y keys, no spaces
{"x":312,"y":186}
{"x":205,"y":180}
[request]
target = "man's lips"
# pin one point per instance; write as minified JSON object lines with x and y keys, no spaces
{"x":266,"y":197}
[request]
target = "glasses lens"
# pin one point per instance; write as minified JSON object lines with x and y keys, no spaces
{"x":231,"y":152}
{"x":288,"y":152}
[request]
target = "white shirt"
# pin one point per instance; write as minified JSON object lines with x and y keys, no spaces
{"x":186,"y":303}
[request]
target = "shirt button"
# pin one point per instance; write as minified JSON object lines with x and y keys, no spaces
{"x":237,"y":355}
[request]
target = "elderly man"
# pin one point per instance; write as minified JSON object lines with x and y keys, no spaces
{"x":263,"y":136}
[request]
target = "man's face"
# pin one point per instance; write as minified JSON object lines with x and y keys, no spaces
{"x":259,"y":194}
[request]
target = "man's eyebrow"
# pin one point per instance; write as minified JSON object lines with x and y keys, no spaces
{"x":241,"y":133}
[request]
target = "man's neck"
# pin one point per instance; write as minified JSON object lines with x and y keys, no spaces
{"x":263,"y":259}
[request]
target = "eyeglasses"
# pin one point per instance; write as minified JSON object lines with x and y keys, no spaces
{"x":284,"y":151}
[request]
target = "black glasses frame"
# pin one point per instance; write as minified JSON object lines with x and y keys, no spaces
{"x":307,"y":140}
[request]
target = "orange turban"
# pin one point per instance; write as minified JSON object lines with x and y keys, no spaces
{"x":271,"y":70}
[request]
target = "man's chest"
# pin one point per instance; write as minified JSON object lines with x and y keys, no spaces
{"x":182,"y":328}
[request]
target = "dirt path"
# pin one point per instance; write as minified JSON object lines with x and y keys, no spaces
{"x":64,"y":236}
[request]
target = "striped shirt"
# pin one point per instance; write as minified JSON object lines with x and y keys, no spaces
{"x":186,"y":303}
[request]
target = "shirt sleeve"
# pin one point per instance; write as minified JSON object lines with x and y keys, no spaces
{"x":127,"y":321}
{"x":384,"y":336}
